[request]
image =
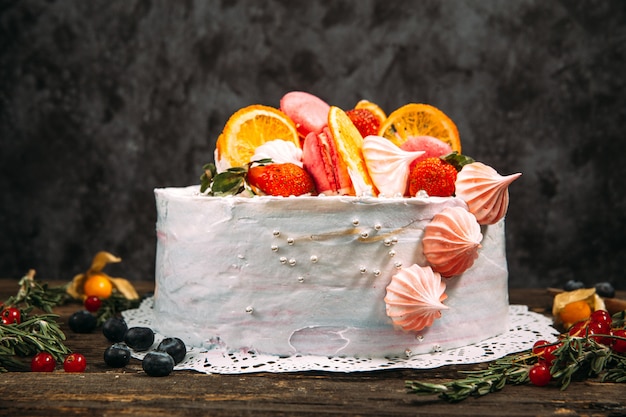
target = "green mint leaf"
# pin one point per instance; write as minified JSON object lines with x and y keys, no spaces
{"x":457,"y":160}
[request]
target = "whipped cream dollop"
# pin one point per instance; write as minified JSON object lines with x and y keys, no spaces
{"x":279,"y":151}
{"x":485,"y":191}
{"x":388,"y":165}
{"x":451,"y":241}
{"x":414,"y":298}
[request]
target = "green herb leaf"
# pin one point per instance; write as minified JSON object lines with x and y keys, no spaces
{"x":457,"y":160}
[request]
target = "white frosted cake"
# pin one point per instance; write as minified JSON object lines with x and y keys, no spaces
{"x":324,"y":232}
{"x":309,"y":274}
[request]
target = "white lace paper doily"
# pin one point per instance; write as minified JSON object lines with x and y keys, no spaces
{"x":525,"y":328}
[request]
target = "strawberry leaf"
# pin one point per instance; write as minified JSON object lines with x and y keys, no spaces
{"x":229,"y":182}
{"x":207,"y":176}
{"x":457,"y":160}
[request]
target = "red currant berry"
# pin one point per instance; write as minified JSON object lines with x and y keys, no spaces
{"x":619,"y":345}
{"x":600,"y":328}
{"x":545,"y":351}
{"x":601,"y":316}
{"x":539,"y":374}
{"x":11,"y":315}
{"x":42,"y":362}
{"x":74,"y":362}
{"x":93,"y":303}
{"x":578,"y":329}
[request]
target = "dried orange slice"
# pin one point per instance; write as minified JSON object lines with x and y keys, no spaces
{"x":374,"y":108}
{"x":247,"y":129}
{"x":349,"y":143}
{"x":420,"y":120}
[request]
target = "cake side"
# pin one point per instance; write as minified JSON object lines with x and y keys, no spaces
{"x":309,"y":274}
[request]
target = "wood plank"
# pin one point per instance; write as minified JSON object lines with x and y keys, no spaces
{"x":105,"y":391}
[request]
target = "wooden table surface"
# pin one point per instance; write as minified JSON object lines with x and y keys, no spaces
{"x":103,"y":391}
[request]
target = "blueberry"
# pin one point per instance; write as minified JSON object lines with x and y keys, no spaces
{"x":114,"y":329}
{"x":139,"y":338}
{"x":572,"y":285}
{"x":82,"y":322}
{"x":117,"y":355}
{"x":605,"y":289}
{"x":157,"y":364}
{"x":174,"y":347}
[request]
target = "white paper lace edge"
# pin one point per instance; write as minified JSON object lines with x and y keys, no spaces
{"x":525,"y":328}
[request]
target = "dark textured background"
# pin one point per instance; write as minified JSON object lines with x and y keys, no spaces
{"x":102,"y":101}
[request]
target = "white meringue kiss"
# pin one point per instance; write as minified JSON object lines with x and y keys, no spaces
{"x":279,"y":151}
{"x":485,"y":191}
{"x":451,"y":241}
{"x":388,"y":165}
{"x":414,"y":298}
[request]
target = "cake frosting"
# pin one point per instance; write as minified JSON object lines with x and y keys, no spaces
{"x":320,"y":251}
{"x":309,"y":275}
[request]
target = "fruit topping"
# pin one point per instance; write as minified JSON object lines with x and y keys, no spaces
{"x":280,"y":180}
{"x":174,"y":347}
{"x":114,"y":329}
{"x":388,"y":165}
{"x":249,"y":128}
{"x":432,"y":147}
{"x":414,"y":298}
{"x":139,"y":338}
{"x":365,"y":121}
{"x":349,"y":144}
{"x":434,"y":176}
{"x":82,"y":322}
{"x":376,"y":110}
{"x":572,"y":305}
{"x":157,"y":364}
{"x":539,"y":374}
{"x":117,"y":355}
{"x":485,"y":191}
{"x":42,"y":362}
{"x":420,"y":120}
{"x":605,"y":289}
{"x":451,"y":241}
{"x":75,"y":362}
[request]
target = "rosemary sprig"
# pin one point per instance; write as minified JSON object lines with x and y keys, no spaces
{"x":38,"y":333}
{"x":113,"y":306}
{"x":33,"y":294}
{"x":575,"y":358}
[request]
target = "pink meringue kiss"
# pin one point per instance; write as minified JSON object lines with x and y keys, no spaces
{"x":388,"y":165}
{"x":485,"y":191}
{"x":451,"y":241}
{"x":414,"y":298}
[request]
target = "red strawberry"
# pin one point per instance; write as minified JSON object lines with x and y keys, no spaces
{"x":365,"y":121}
{"x":280,"y":179}
{"x":433,"y":175}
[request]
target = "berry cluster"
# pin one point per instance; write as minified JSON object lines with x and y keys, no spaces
{"x":599,"y":329}
{"x":159,"y":362}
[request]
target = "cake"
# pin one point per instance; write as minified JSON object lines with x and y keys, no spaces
{"x":351,"y":267}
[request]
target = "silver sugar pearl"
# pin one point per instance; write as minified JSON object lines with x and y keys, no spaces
{"x":274,"y":248}
{"x":290,"y":241}
{"x":376,"y":272}
{"x":314,"y":259}
{"x":249,"y":310}
{"x":300,"y":279}
{"x":420,"y":338}
{"x":408,"y":353}
{"x":292,"y":262}
{"x":394,"y":240}
{"x":363,"y":269}
{"x":398,"y":265}
{"x":365,"y":235}
{"x":283,"y":260}
{"x":392,"y":253}
{"x":437,"y":348}
{"x":387,"y":242}
{"x":377,"y":226}
{"x":276,"y":233}
{"x":355,"y":222}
